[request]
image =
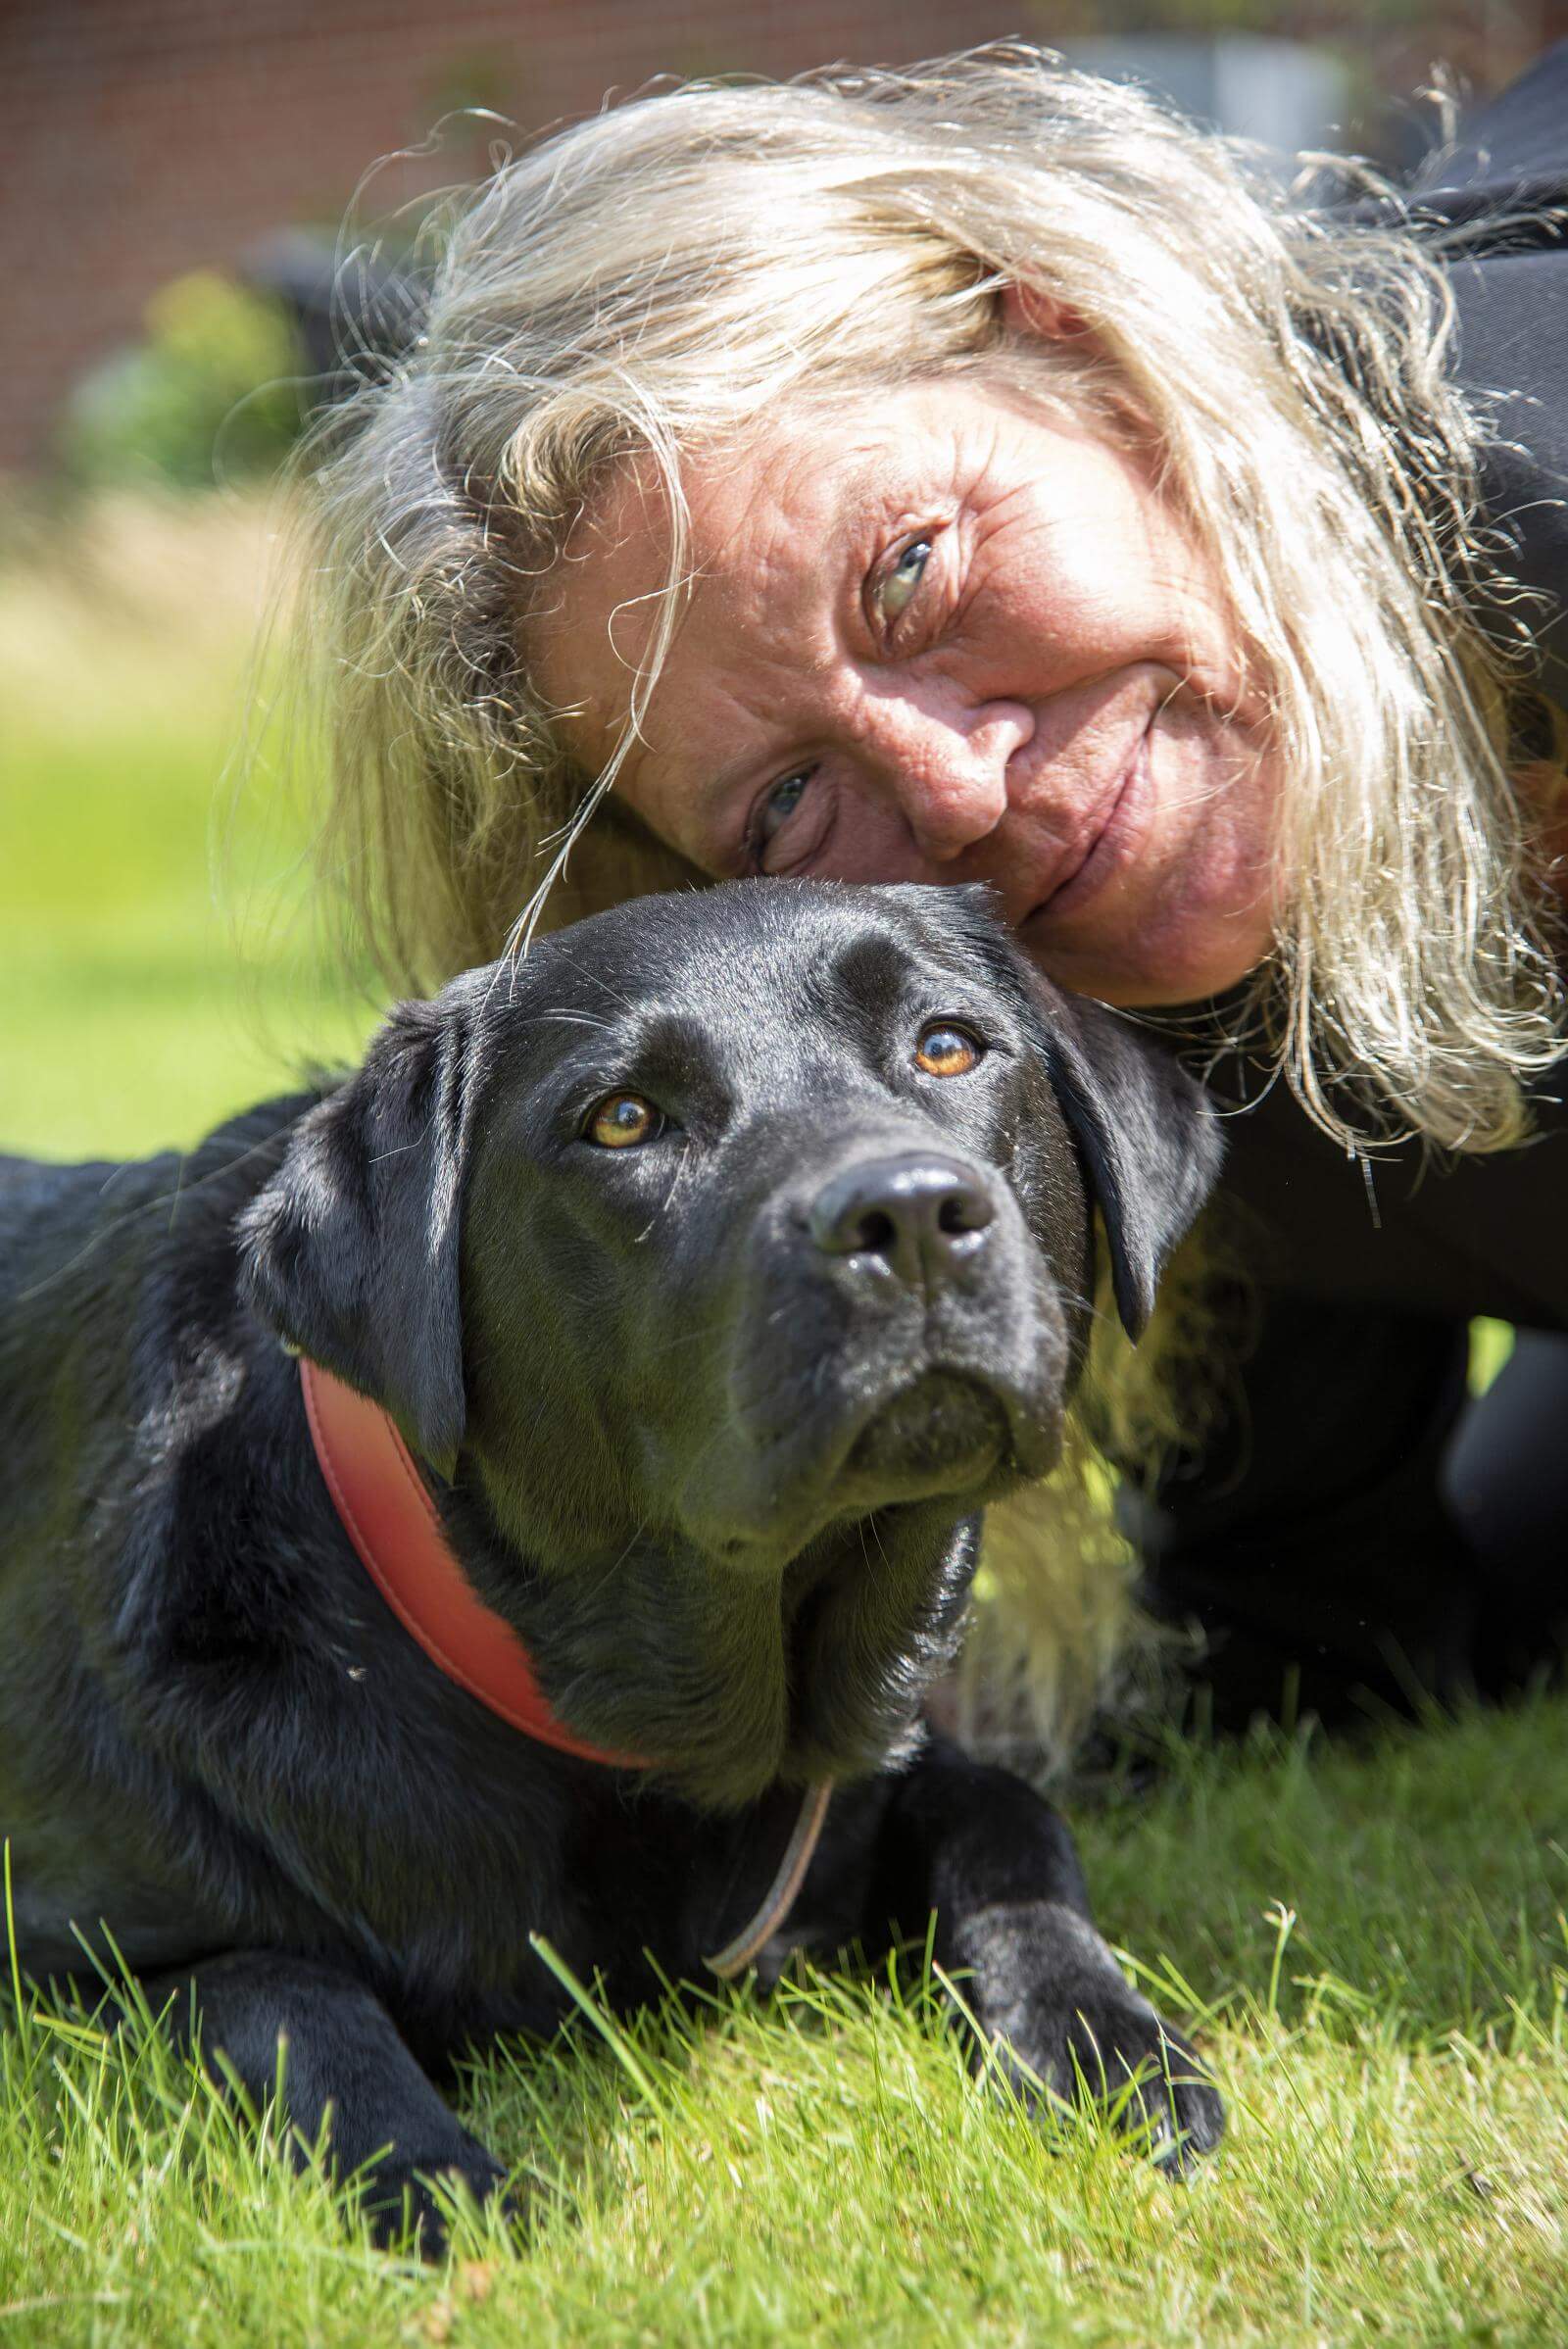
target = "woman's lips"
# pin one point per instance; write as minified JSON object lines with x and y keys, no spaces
{"x":1115,"y":842}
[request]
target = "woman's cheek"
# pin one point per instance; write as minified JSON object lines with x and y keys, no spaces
{"x":866,"y":841}
{"x":1200,"y":909}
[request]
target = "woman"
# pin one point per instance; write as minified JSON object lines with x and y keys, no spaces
{"x":975,"y":474}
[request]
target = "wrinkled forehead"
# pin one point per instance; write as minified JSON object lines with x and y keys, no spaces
{"x":765,"y":517}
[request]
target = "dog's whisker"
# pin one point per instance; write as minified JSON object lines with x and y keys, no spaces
{"x":607,"y":1573}
{"x":869,"y":1525}
{"x":577,"y":1019}
{"x":594,"y":978}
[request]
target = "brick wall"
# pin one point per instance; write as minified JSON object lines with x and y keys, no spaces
{"x":140,"y":139}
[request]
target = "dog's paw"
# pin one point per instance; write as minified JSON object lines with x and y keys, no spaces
{"x":411,"y":2202}
{"x":1055,"y":2011}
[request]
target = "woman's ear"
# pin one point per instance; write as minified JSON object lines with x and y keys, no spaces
{"x":1028,"y":309}
{"x":351,"y":1253}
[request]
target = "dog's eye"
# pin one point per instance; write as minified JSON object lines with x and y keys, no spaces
{"x":944,"y":1051}
{"x":621,"y":1121}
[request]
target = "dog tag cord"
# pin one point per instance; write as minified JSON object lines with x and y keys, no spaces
{"x":780,"y":1896}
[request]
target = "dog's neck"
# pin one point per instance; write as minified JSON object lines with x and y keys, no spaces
{"x":388,"y":1513}
{"x":730,"y":1684}
{"x":730,"y":1680}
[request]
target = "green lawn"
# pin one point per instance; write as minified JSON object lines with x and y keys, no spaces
{"x":1375,"y":1949}
{"x":157,"y":972}
{"x":1372,"y":1944}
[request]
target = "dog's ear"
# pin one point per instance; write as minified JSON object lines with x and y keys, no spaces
{"x":1150,"y":1145}
{"x":350,"y":1252}
{"x":1150,"y":1141}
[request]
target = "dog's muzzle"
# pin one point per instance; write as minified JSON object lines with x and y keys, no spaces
{"x":897,"y":1338}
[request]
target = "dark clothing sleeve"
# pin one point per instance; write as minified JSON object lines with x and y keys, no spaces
{"x":1325,"y":1538}
{"x":1311,"y":1542}
{"x":1510,"y":355}
{"x":1318,"y":1538}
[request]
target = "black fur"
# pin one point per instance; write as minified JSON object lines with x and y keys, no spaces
{"x":708,"y":1420}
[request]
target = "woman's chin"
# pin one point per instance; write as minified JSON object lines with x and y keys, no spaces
{"x":1147,"y":965}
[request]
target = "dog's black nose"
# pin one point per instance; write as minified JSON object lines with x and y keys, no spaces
{"x":917,"y":1212}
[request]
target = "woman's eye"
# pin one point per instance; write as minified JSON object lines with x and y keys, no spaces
{"x":622,"y":1121}
{"x":948,"y":1050}
{"x":895,"y":590}
{"x":780,"y":803}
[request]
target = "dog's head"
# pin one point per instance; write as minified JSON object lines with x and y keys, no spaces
{"x":727,"y":1255}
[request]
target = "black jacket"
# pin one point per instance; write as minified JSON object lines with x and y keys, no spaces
{"x":1312,"y":1535}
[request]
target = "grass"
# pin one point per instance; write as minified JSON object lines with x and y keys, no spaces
{"x":138,"y":1007}
{"x":1374,"y":1946}
{"x":1371,"y":1943}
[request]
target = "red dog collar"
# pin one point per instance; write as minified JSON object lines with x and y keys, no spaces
{"x":392,"y":1522}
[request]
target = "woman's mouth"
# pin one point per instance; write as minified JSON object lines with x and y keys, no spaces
{"x":1113,"y":845}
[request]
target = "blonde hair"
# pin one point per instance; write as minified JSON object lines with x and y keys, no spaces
{"x":675,"y":271}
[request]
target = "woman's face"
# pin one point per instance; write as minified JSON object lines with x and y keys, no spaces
{"x":933,"y":636}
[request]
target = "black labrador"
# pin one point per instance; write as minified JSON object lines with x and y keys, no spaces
{"x":718,"y":1262}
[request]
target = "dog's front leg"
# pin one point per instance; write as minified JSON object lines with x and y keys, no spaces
{"x":980,"y":1851}
{"x":342,"y":2060}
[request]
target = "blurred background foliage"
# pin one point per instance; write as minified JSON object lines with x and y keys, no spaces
{"x":213,"y":389}
{"x":160,"y":964}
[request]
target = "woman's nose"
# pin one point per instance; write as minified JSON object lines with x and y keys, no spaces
{"x":950,"y":778}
